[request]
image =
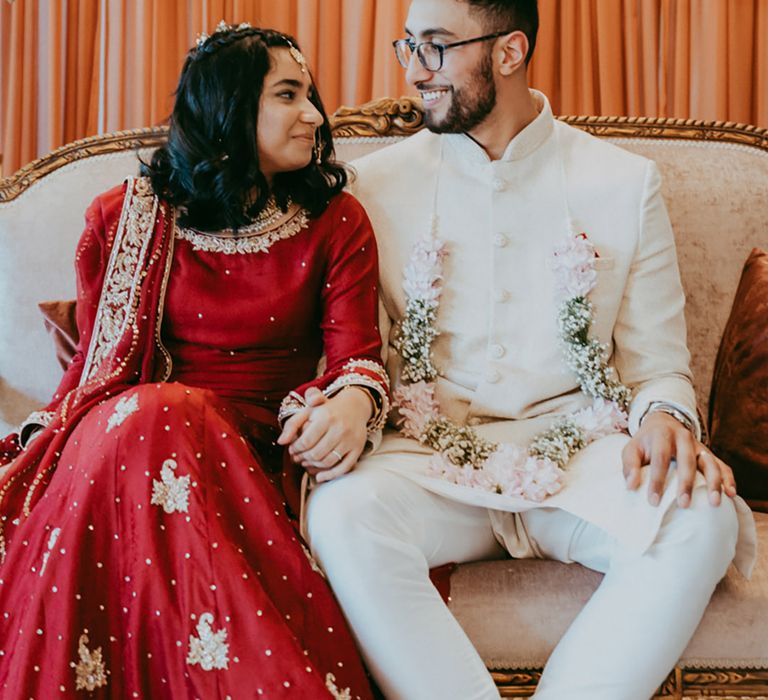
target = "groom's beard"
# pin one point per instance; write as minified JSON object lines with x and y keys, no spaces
{"x":469,"y":105}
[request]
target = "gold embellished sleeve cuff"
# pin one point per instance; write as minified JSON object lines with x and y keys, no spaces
{"x":34,"y":423}
{"x":291,"y":404}
{"x":365,"y":374}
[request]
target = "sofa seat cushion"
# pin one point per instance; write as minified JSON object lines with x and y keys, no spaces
{"x":516,"y":611}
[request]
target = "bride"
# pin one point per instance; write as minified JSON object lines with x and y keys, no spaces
{"x":149,"y":541}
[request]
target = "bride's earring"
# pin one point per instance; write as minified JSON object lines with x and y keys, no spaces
{"x":318,"y":148}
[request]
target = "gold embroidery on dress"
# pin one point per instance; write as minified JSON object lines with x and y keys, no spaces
{"x":121,"y":289}
{"x":90,"y":672}
{"x":266,"y":218}
{"x":123,"y":408}
{"x":171,"y":492}
{"x":210,"y":649}
{"x":161,"y":305}
{"x":37,"y":420}
{"x":289,"y":405}
{"x":51,"y":544}
{"x":371,"y":365}
{"x":121,"y":282}
{"x":294,"y":402}
{"x":334,"y":690}
{"x":256,"y":238}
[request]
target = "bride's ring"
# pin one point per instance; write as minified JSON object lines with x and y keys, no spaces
{"x":700,"y":454}
{"x":338,"y":455}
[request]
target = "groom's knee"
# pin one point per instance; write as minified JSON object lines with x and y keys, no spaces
{"x":707,"y":536}
{"x":341,"y":512}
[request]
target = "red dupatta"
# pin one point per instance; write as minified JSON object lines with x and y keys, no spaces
{"x":125,"y":347}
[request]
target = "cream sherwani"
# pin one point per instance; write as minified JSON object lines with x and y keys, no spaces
{"x":501,"y":369}
{"x":500,"y":361}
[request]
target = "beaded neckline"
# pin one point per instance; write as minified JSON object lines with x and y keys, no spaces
{"x":270,"y":226}
{"x":267,"y":217}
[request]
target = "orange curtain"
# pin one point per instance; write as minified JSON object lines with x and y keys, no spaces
{"x":700,"y":59}
{"x":69,"y":68}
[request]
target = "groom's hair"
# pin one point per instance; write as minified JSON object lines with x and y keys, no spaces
{"x":509,"y":15}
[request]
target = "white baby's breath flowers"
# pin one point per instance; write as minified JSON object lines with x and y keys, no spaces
{"x":462,"y":456}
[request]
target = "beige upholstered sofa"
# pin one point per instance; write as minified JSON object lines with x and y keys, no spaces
{"x":716,"y":186}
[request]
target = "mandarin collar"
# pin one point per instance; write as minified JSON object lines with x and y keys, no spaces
{"x":521,"y":146}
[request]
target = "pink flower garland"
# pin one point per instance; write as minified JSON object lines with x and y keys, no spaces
{"x":508,"y":470}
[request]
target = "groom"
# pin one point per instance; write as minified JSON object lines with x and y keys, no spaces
{"x":502,"y":183}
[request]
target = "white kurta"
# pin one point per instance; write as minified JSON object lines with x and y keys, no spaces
{"x":500,"y":363}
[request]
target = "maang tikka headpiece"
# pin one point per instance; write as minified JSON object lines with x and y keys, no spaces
{"x":222,"y":26}
{"x":297,"y":56}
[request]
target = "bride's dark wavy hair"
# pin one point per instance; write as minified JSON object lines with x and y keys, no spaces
{"x":209,"y":168}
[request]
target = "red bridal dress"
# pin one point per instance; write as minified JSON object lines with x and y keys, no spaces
{"x":149,"y":541}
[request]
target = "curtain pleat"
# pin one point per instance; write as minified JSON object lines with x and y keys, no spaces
{"x":20,"y":85}
{"x":759,"y":87}
{"x":69,"y":68}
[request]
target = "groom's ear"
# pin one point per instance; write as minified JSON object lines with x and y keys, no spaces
{"x":510,"y":52}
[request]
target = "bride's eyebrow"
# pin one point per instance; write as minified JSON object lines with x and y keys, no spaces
{"x":288,"y":82}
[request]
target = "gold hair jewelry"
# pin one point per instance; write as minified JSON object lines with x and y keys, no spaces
{"x":222,"y":26}
{"x":297,"y":56}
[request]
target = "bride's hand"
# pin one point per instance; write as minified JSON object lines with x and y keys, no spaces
{"x":328,"y":436}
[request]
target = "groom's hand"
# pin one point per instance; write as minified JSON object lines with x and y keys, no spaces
{"x":662,"y":438}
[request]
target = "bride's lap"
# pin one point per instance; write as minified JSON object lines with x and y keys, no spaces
{"x":164,"y":420}
{"x":159,"y":513}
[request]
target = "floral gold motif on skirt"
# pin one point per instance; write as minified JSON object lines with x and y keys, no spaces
{"x":123,"y":408}
{"x":171,"y":492}
{"x":51,"y":544}
{"x":90,"y":672}
{"x":335,"y":691}
{"x":209,"y":649}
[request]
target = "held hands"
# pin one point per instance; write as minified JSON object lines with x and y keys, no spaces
{"x":662,"y":438}
{"x":328,"y":436}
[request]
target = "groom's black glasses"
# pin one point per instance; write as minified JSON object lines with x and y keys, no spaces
{"x":430,"y":53}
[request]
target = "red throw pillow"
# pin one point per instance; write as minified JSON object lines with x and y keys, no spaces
{"x":59,"y":319}
{"x":738,"y":403}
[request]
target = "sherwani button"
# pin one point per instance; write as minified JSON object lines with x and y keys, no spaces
{"x":492,"y":376}
{"x":500,"y":296}
{"x":497,"y":350}
{"x":498,"y":184}
{"x":500,"y":240}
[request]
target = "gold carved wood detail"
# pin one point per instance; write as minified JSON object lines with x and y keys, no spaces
{"x":389,"y":117}
{"x":686,"y":129}
{"x":133,"y":140}
{"x":384,"y":117}
{"x":733,"y":684}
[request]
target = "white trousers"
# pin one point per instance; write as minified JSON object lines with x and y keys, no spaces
{"x":377,"y":534}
